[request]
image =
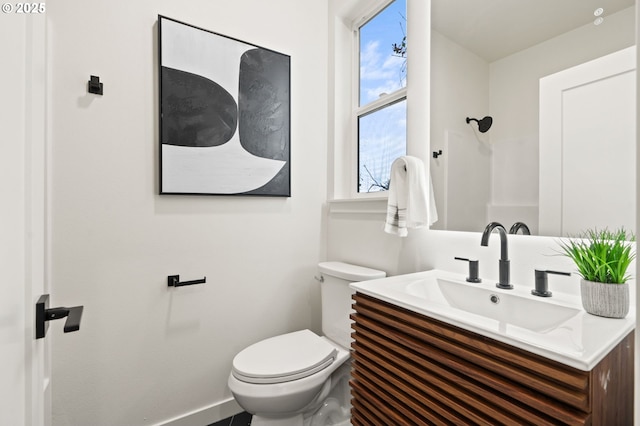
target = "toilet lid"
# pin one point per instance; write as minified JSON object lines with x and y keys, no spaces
{"x":284,"y":358}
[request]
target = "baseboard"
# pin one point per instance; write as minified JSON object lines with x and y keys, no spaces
{"x":206,"y":415}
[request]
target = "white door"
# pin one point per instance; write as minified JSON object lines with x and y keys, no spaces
{"x":24,"y":360}
{"x":587,"y":146}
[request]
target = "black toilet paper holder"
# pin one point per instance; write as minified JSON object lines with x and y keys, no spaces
{"x":174,"y":281}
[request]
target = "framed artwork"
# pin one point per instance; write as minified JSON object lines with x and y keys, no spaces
{"x":224,"y":114}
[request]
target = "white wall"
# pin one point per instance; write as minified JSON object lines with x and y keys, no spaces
{"x":146,"y":353}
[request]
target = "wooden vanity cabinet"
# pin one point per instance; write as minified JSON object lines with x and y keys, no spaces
{"x":409,"y":369}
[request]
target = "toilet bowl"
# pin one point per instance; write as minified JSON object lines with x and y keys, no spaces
{"x":301,"y":378}
{"x":285,"y":375}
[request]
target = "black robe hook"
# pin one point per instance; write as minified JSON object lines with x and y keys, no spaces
{"x":94,"y":85}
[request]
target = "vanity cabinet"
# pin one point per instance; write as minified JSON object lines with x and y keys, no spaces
{"x":409,"y":369}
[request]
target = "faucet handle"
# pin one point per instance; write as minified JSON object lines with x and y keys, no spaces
{"x":542,"y":285}
{"x":474,"y":267}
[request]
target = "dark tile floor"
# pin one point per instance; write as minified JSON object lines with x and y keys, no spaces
{"x":242,"y":419}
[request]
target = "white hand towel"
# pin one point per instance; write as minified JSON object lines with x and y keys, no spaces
{"x":409,"y":205}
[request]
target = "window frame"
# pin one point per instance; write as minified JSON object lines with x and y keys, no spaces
{"x":342,"y":147}
{"x":358,"y":111}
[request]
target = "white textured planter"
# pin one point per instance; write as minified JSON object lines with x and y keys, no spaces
{"x":605,"y":300}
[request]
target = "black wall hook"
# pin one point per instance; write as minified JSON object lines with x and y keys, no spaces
{"x":94,"y":85}
{"x":436,"y":154}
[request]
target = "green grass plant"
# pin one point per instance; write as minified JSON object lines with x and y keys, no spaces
{"x":601,"y":255}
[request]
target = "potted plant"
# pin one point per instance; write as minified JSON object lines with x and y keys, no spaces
{"x":602,"y":258}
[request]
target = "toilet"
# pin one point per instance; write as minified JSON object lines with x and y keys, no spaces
{"x":300,"y":378}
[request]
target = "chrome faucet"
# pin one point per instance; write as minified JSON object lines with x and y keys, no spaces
{"x":503,"y":263}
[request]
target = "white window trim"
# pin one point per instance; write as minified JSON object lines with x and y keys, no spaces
{"x":359,"y":111}
{"x":382,"y":101}
{"x":343,"y":151}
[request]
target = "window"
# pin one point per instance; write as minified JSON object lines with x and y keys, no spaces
{"x":381,"y":112}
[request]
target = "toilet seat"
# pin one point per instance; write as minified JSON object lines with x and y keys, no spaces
{"x":284,"y":358}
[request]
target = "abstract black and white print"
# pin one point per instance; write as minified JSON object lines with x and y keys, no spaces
{"x":224,"y":114}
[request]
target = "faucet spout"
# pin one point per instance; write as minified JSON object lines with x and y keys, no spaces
{"x":504,"y":251}
{"x":520,"y":226}
{"x":504,"y":268}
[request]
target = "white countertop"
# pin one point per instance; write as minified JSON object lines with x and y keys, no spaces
{"x":576,"y":339}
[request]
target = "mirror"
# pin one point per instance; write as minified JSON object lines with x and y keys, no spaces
{"x":487,"y":59}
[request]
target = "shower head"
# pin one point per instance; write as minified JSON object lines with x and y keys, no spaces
{"x":483,"y":125}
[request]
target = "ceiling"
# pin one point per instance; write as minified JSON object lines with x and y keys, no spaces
{"x":494,"y":29}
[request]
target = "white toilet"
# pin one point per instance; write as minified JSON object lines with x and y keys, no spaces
{"x":300,"y":378}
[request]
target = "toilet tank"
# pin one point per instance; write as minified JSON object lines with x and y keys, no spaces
{"x":336,"y":297}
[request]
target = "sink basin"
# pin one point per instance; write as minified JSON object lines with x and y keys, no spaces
{"x":532,"y":314}
{"x":556,"y":327}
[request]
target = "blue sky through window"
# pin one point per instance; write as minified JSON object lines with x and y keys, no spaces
{"x":381,"y":133}
{"x":380,"y":70}
{"x":382,"y":139}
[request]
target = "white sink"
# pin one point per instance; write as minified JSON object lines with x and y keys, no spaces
{"x":532,"y":314}
{"x":556,"y":327}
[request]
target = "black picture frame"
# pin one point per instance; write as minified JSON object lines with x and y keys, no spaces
{"x":225,"y":114}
